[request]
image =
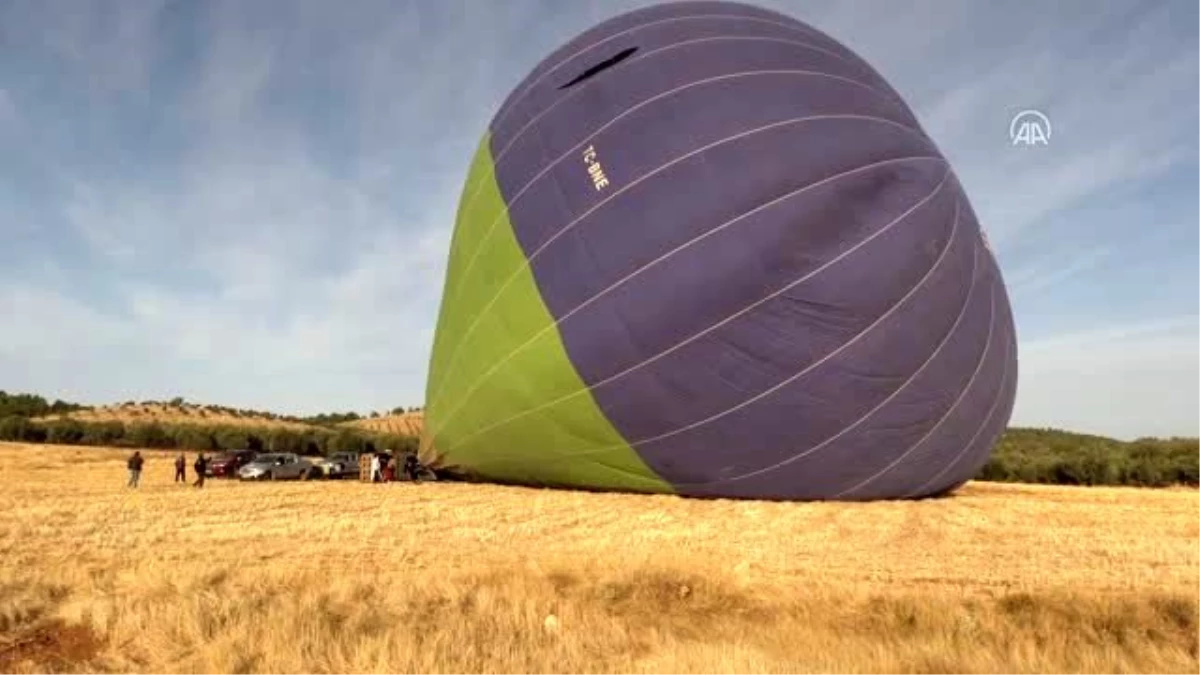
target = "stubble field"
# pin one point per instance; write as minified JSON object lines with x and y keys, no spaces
{"x":354,"y":577}
{"x":405,"y":424}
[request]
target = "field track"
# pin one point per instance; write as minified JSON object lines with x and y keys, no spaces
{"x":347,"y":576}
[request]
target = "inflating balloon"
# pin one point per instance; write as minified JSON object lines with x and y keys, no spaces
{"x":704,"y":248}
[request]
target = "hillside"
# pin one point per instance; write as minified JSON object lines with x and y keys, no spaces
{"x":183,"y":413}
{"x":403,"y":424}
{"x":178,"y":424}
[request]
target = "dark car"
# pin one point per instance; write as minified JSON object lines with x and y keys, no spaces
{"x":227,"y":464}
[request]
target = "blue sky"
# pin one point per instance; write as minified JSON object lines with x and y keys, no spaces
{"x":251,"y":203}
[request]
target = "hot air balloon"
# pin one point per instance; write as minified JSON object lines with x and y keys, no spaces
{"x":705,"y":249}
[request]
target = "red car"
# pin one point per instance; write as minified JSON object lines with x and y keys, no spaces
{"x":227,"y":464}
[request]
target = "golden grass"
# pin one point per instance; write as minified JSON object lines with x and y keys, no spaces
{"x":404,"y":424}
{"x":356,"y":577}
{"x":188,"y":413}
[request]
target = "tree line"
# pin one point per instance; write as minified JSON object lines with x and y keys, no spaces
{"x":1022,"y":455}
{"x":32,"y":405}
{"x":199,"y":437}
{"x":1058,"y":457}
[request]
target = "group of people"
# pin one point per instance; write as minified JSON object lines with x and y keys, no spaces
{"x":136,"y":462}
{"x":383,"y":467}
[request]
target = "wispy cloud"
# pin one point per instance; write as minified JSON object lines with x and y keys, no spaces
{"x":1051,"y":269}
{"x":243,"y":251}
{"x":252,"y":202}
{"x":1113,"y":94}
{"x":1127,"y":381}
{"x":1172,"y":327}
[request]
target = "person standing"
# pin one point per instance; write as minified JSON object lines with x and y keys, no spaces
{"x":135,"y":468}
{"x":180,"y":469}
{"x":375,"y":475}
{"x":200,"y":467}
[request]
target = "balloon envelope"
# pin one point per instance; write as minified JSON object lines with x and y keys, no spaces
{"x":704,"y":248}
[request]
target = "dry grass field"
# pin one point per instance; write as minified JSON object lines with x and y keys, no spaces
{"x":355,"y":577}
{"x":184,"y":414}
{"x":404,"y":424}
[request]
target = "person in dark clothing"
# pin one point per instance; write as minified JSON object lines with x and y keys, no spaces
{"x":200,"y":466}
{"x":180,"y":469}
{"x":412,"y":467}
{"x":135,"y":468}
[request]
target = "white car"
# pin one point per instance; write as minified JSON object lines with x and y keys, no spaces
{"x":276,"y":466}
{"x":341,"y":465}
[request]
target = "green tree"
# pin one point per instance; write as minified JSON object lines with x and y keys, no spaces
{"x":396,"y":443}
{"x":231,"y":438}
{"x":194,"y":437}
{"x":346,"y":441}
{"x":150,"y":435}
{"x":64,"y":432}
{"x":14,"y":428}
{"x":284,"y":440}
{"x":103,"y":433}
{"x":27,"y":405}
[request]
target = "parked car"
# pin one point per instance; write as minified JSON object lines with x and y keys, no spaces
{"x":341,"y":465}
{"x":277,"y":466}
{"x":227,"y":464}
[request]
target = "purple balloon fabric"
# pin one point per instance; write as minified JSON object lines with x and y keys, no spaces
{"x":761,"y":265}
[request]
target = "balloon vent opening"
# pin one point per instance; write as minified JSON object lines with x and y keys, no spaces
{"x":600,"y":67}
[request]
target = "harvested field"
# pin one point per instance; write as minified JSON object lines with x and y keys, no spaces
{"x":405,"y":424}
{"x":348,"y":576}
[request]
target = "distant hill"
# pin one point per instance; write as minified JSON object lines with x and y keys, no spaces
{"x":37,"y":409}
{"x":28,"y":418}
{"x":404,"y":424}
{"x":179,"y":413}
